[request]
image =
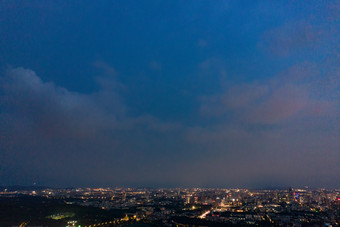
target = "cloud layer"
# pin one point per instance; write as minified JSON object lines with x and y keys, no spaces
{"x":171,"y":94}
{"x":67,"y":130}
{"x":282,"y":130}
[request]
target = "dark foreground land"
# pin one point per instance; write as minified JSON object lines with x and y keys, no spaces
{"x":38,"y":211}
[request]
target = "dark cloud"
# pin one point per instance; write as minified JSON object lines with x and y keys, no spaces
{"x":316,"y":33}
{"x":69,"y":131}
{"x":293,"y":93}
{"x":154,"y":65}
{"x":55,"y":111}
{"x":291,"y":38}
{"x":269,"y":132}
{"x":283,"y":127}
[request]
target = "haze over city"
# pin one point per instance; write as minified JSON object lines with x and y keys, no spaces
{"x":170,"y":93}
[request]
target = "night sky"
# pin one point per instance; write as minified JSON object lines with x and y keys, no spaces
{"x":170,"y":93}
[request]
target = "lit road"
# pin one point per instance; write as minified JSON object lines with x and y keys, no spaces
{"x":204,"y":214}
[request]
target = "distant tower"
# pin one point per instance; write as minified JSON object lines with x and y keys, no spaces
{"x":290,"y":194}
{"x":124,"y":196}
{"x":187,"y":200}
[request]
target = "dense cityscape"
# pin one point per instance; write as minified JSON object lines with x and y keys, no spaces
{"x":92,"y":207}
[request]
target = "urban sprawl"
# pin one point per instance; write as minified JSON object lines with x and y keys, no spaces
{"x":93,"y":207}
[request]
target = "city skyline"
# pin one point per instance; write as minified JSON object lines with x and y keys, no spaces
{"x":169,"y":207}
{"x":170,"y":94}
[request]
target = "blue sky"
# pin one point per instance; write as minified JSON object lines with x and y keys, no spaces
{"x":170,"y":93}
